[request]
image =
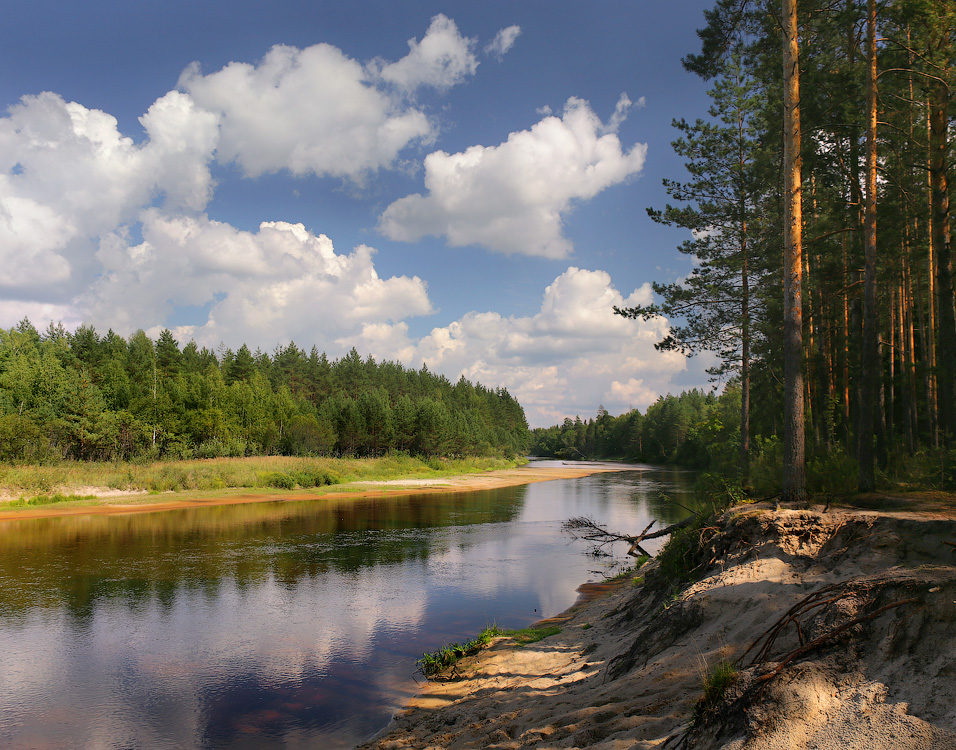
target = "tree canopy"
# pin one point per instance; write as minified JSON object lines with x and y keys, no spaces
{"x":829,"y":325}
{"x":89,"y":397}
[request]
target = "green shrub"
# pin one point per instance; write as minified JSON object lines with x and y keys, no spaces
{"x":834,"y":473}
{"x":214,"y":448}
{"x":718,"y":491}
{"x":934,"y":468}
{"x":681,"y":559}
{"x":178,"y":450}
{"x":314,"y":477}
{"x":766,"y":467}
{"x":278,"y":479}
{"x":304,"y":478}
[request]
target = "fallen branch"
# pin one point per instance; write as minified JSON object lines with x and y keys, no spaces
{"x":600,"y":536}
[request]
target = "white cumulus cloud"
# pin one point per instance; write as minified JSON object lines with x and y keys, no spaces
{"x":98,"y":227}
{"x":504,"y":40}
{"x":67,"y":176}
{"x":318,"y":111}
{"x":308,"y":111}
{"x":443,"y":58}
{"x":282,"y":282}
{"x":566,"y":359}
{"x":512,"y":197}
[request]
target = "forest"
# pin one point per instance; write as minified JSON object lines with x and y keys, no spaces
{"x":701,"y":431}
{"x":817,"y":198}
{"x":81,"y":396}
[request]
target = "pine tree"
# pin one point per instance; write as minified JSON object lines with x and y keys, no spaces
{"x":721,"y":209}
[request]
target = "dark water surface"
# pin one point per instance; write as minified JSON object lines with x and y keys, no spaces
{"x":279,"y":625}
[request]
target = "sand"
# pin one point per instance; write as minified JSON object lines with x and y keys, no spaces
{"x":870,"y":595}
{"x":110,"y":501}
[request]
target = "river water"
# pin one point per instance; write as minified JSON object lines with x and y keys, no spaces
{"x":280,"y":625}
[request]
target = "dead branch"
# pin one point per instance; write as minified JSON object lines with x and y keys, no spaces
{"x":807,"y":604}
{"x":600,"y":536}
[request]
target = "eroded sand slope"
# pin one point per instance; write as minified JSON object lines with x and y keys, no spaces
{"x":843,"y":625}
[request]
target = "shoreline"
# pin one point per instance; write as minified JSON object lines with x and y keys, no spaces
{"x":146,"y":503}
{"x":628,"y":667}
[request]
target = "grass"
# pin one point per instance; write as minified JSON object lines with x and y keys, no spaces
{"x":433,"y":664}
{"x":715,"y":684}
{"x":532,"y":635}
{"x":47,"y":500}
{"x":276,"y":472}
{"x":430,"y":665}
{"x":721,"y":677}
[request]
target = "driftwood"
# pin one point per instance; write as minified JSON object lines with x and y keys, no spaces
{"x":599,"y":536}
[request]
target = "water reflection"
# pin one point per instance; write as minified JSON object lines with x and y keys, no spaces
{"x":280,"y":624}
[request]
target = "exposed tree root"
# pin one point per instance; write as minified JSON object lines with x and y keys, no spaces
{"x":823,"y":598}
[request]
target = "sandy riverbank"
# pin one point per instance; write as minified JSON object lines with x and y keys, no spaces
{"x":856,"y":608}
{"x":113,"y":501}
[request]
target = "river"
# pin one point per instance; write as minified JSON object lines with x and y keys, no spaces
{"x":281,"y":625}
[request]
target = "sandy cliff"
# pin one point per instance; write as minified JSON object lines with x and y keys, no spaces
{"x":841,"y":625}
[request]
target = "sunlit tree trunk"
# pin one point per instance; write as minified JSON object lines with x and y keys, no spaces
{"x":907,"y":348}
{"x":845,"y":348}
{"x":794,"y":473}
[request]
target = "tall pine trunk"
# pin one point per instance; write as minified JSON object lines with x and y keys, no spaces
{"x":745,"y":374}
{"x":744,"y":325}
{"x":870,"y":358}
{"x":794,"y":472}
{"x":939,"y":201}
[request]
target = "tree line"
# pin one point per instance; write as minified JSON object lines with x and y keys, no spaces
{"x":79,"y":395}
{"x":818,"y":198}
{"x":701,"y":430}
{"x":693,"y":429}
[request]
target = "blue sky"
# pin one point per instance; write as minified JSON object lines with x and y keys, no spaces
{"x":456,"y":184}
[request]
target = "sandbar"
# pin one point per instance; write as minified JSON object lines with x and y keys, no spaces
{"x":108,"y":502}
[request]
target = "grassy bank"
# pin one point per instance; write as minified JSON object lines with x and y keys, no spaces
{"x":433,"y":664}
{"x":224,"y":473}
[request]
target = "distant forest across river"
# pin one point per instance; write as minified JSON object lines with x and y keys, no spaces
{"x":79,"y":395}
